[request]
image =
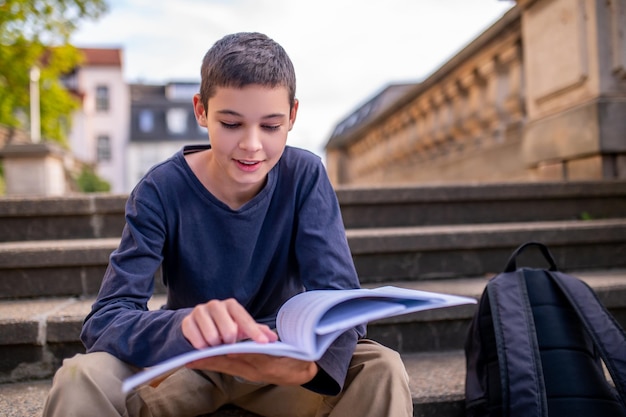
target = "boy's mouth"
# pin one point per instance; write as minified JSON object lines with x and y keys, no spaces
{"x":246,"y":165}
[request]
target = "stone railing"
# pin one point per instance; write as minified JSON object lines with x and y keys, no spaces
{"x":478,"y":116}
{"x":36,"y":169}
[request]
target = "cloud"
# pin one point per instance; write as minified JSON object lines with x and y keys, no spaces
{"x":344,"y":51}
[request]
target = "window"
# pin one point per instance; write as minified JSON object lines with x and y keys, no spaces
{"x":70,"y":80}
{"x":146,"y":121}
{"x":103,"y":148}
{"x":102,"y":98}
{"x":181,"y":91}
{"x":177,"y":121}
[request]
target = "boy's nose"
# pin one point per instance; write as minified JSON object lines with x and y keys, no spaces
{"x":251,"y":140}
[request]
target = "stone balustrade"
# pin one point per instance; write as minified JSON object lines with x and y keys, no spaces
{"x":518,"y":103}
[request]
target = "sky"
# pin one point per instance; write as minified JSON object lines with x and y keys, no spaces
{"x":344,"y":51}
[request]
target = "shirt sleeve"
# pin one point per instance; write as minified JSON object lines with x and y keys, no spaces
{"x":119,"y":322}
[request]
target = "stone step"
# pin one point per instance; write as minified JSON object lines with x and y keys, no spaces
{"x":434,"y":252}
{"x":78,"y":216}
{"x":35,"y":335}
{"x":54,"y":268}
{"x":438,"y":204}
{"x":437,"y":381}
{"x":102,"y":215}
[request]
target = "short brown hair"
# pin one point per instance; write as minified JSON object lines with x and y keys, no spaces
{"x":246,"y":58}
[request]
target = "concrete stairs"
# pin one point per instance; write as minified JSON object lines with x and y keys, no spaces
{"x":448,"y":238}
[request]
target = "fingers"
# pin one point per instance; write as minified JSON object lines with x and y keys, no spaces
{"x":271,"y":335}
{"x":200,"y":331}
{"x":260,"y":368}
{"x":221,"y":322}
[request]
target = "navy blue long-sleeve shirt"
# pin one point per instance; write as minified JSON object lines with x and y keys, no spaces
{"x":289,"y":238}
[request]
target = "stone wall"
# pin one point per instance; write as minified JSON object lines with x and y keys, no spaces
{"x":539,"y":95}
{"x":576,"y":88}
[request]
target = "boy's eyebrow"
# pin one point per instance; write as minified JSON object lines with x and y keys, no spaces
{"x":234,"y":113}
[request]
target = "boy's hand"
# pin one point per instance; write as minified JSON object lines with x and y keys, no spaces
{"x":220,"y":322}
{"x":260,"y":368}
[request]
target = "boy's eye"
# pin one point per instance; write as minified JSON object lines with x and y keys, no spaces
{"x":230,"y":125}
{"x":227,"y":125}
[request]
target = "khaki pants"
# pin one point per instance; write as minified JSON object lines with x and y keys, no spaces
{"x":90,"y":385}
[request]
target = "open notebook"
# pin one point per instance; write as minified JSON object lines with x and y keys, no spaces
{"x":309,"y":322}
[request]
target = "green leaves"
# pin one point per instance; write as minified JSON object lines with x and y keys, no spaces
{"x":37,"y":32}
{"x":89,"y":182}
{"x":49,"y":21}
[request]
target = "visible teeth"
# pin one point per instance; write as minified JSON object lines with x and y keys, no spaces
{"x":248,"y":162}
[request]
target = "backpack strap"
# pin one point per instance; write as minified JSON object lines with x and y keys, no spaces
{"x":516,"y":341}
{"x":608,"y":336}
{"x":511,"y":264}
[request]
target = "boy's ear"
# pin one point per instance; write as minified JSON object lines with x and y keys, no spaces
{"x":293,"y":113}
{"x":199,"y":110}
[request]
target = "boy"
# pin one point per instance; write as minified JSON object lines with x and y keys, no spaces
{"x":238,"y":227}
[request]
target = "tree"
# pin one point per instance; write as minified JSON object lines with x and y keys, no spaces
{"x":37,"y":32}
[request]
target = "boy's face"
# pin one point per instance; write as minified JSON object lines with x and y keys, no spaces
{"x":248,"y":131}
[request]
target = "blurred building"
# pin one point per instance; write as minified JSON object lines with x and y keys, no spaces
{"x":99,"y":130}
{"x":124,"y":129}
{"x":539,"y":95}
{"x":161,"y":122}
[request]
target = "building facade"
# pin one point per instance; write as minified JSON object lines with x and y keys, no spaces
{"x":540,"y":95}
{"x":99,"y":130}
{"x":124,"y":129}
{"x":161,"y":122}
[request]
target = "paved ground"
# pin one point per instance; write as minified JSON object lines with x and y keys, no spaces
{"x":24,"y":399}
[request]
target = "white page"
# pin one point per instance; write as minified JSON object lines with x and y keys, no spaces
{"x":274,"y":349}
{"x":298,"y":317}
{"x":348,"y":308}
{"x":306,"y":333}
{"x":352,"y":313}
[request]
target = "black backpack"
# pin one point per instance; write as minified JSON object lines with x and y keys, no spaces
{"x":536,"y":344}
